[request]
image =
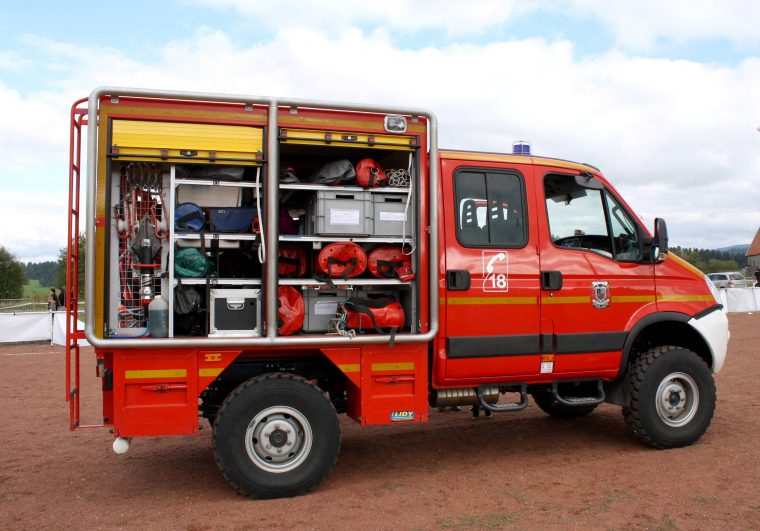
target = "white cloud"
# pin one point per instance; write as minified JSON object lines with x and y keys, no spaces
{"x":639,"y":24}
{"x":635,"y":24}
{"x":678,"y":138}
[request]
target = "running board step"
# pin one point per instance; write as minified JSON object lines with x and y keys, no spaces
{"x":574,"y":401}
{"x":500,"y":408}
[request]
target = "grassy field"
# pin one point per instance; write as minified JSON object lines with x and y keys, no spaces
{"x":34,"y":290}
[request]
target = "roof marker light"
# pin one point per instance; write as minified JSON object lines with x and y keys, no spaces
{"x":395,"y":123}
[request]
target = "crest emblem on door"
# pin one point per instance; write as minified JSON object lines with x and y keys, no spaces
{"x":600,"y":297}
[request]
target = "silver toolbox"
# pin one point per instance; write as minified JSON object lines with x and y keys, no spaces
{"x":340,"y":212}
{"x":321,"y":306}
{"x":234,"y":312}
{"x":389,"y":214}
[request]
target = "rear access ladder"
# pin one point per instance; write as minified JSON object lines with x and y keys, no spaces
{"x":73,"y":264}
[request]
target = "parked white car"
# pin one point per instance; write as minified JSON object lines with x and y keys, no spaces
{"x":730,"y":279}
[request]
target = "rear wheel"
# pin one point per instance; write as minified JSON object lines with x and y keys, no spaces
{"x":671,"y":397}
{"x":276,"y":435}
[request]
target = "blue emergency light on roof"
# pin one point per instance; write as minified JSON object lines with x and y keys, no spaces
{"x":521,"y":147}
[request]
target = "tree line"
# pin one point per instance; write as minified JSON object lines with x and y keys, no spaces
{"x":14,"y":274}
{"x":710,"y":260}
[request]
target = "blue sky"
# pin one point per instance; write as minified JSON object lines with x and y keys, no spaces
{"x":662,"y":95}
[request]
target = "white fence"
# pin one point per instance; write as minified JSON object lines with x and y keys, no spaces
{"x":34,"y":326}
{"x":740,"y":299}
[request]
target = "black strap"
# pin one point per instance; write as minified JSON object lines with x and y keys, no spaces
{"x":387,"y":268}
{"x":180,"y":223}
{"x":351,"y":263}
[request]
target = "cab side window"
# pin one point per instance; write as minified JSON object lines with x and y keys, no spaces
{"x":583,"y":215}
{"x":490,"y":209}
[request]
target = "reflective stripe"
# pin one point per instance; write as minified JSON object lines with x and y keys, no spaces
{"x":349,"y":367}
{"x":565,"y":300}
{"x":490,"y":300}
{"x":633,"y":298}
{"x":685,"y":298}
{"x":403,"y":366}
{"x":156,"y":373}
{"x":211,"y":371}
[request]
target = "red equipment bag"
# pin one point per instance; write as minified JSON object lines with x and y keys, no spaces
{"x":342,"y":260}
{"x":382,"y":313}
{"x":291,"y":261}
{"x":369,"y":174}
{"x":290,"y":310}
{"x":390,"y":262}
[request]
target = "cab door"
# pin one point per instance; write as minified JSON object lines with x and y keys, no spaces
{"x":595,"y":281}
{"x":490,"y":290}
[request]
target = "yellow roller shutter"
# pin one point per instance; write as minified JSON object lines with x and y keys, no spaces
{"x":186,"y":142}
{"x":348,"y":139}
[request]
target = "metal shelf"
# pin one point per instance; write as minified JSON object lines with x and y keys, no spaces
{"x":385,"y":190}
{"x":357,"y":239}
{"x":215,"y":236}
{"x":211,"y":182}
{"x":220,"y":282}
{"x":343,"y":282}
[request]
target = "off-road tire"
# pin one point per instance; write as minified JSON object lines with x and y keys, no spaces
{"x":660,"y":373}
{"x":269,"y":413}
{"x":543,"y":400}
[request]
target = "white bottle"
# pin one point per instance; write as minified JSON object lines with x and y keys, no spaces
{"x":158,"y":317}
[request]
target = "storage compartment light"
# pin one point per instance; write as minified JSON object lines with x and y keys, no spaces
{"x":395,"y":123}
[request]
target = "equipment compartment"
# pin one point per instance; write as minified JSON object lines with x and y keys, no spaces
{"x":234,"y":312}
{"x":340,"y":213}
{"x":321,"y":307}
{"x":392,"y":215}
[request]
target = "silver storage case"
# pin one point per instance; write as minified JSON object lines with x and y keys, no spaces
{"x":234,"y":312}
{"x":340,"y":212}
{"x":321,"y":306}
{"x":388,"y":214}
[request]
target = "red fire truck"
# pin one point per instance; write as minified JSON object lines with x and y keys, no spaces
{"x":269,"y":264}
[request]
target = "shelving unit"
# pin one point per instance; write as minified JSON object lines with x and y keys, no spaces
{"x":307,"y":151}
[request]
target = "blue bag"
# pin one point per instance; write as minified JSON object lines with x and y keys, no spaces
{"x":189,"y":217}
{"x":231,"y":219}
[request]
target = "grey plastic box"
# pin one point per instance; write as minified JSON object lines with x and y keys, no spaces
{"x":340,"y":212}
{"x":389,"y":213}
{"x":234,"y":312}
{"x":321,"y":306}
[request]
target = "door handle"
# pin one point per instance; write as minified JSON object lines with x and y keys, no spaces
{"x":551,"y":280}
{"x":457,"y":279}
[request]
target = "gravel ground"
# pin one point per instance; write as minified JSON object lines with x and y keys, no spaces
{"x":523,"y":470}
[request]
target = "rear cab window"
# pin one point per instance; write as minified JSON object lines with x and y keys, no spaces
{"x":490,"y":208}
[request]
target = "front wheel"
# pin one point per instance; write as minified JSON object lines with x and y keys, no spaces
{"x":276,"y":435}
{"x":671,"y":397}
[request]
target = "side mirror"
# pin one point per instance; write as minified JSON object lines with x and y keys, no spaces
{"x":660,"y":243}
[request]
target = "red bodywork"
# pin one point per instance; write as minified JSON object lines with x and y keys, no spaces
{"x":151,"y":392}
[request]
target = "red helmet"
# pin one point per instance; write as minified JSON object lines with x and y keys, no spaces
{"x":390,"y":262}
{"x":369,"y":174}
{"x":342,"y":260}
{"x":290,"y":310}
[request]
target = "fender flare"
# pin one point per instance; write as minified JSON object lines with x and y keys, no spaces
{"x":641,"y":324}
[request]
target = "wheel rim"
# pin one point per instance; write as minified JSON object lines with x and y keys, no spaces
{"x":278,"y":439}
{"x":677,"y":399}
